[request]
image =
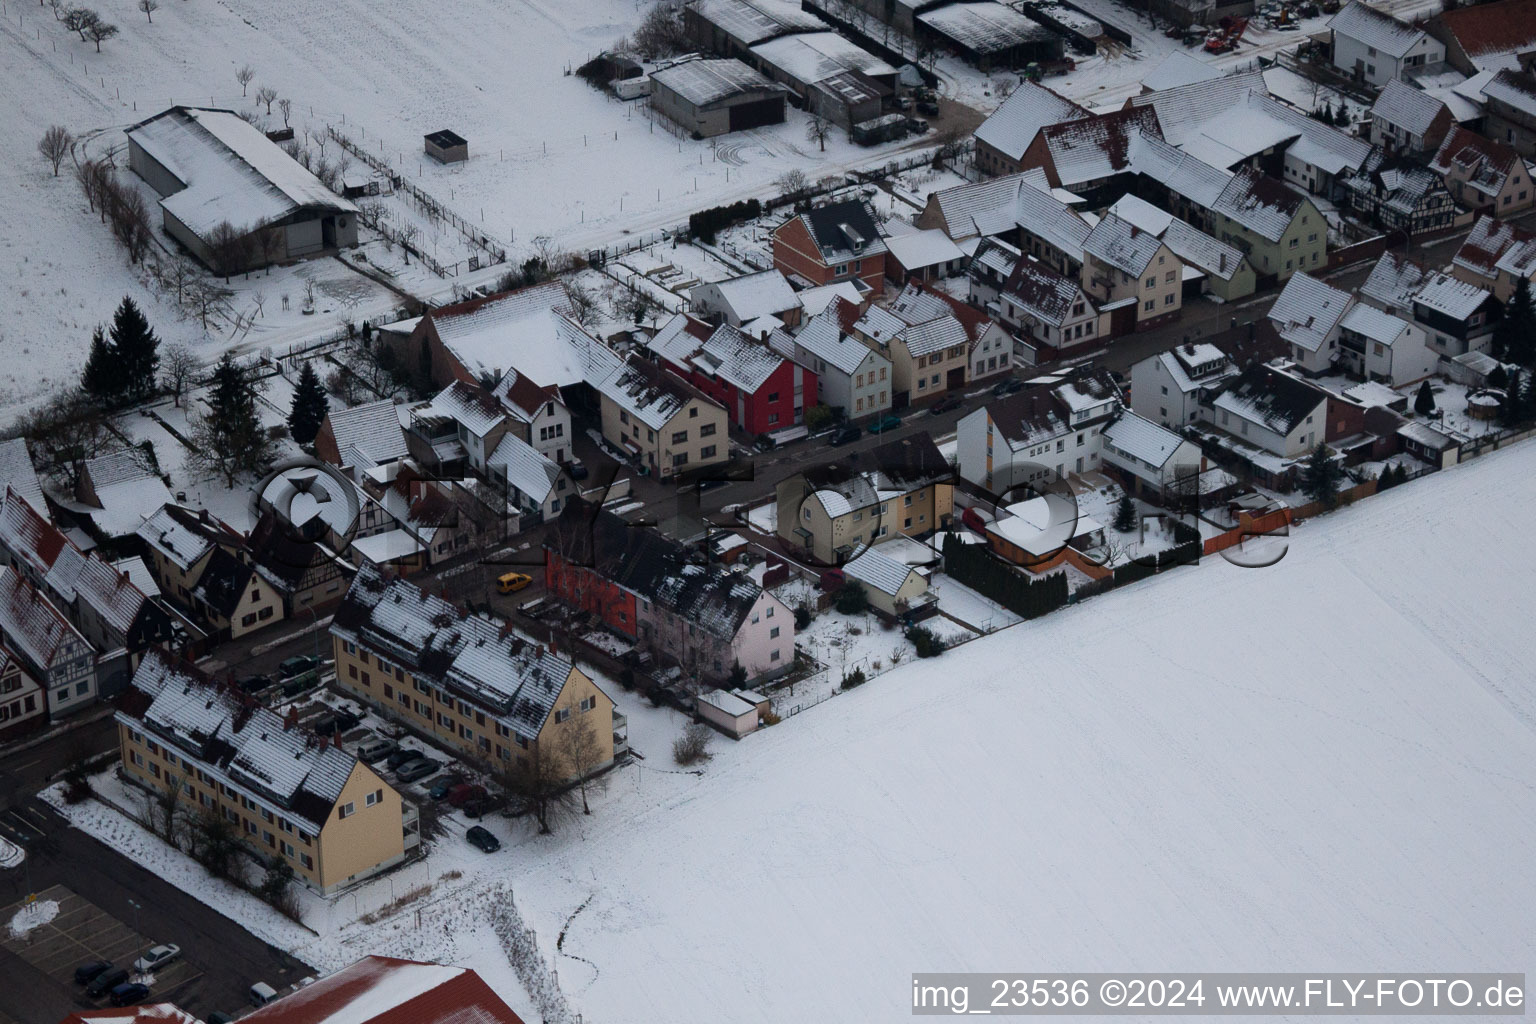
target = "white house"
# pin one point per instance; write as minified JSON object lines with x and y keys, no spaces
{"x":1039,"y":434}
{"x":1274,"y":411}
{"x":1154,"y":458}
{"x":760,"y":299}
{"x":1307,"y":316}
{"x":1375,"y":47}
{"x":1380,"y":346}
{"x":850,"y":375}
{"x":1166,"y":388}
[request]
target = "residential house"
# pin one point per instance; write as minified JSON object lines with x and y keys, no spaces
{"x":1280,"y":230}
{"x":850,"y":376}
{"x":435,"y":520}
{"x":1169,"y":388}
{"x":462,"y":424}
{"x":1268,"y":420}
{"x":1374,"y":47}
{"x":1210,"y":265}
{"x":116,"y":618}
{"x":894,"y":588}
{"x":666,"y":424}
{"x":23,"y":704}
{"x":1307,"y":315}
{"x":1457,"y":317}
{"x":119,"y":490}
{"x":1487,"y":37}
{"x":364,"y":435}
{"x":700,"y":616}
{"x":1124,"y":265}
{"x":1393,"y":282}
{"x":539,"y":415}
{"x":1497,"y":255}
{"x":1088,"y":156}
{"x":467,"y":681}
{"x":231,"y":196}
{"x":925,"y":255}
{"x":831,"y":511}
{"x":1042,"y":433}
{"x":531,"y":482}
{"x":1051,"y":312}
{"x":29,"y":542}
{"x":1149,"y":459}
{"x":1020,"y":210}
{"x":1406,"y":119}
{"x":761,"y":389}
{"x":52,"y":651}
{"x":755,"y":303}
{"x":1482,"y":174}
{"x":1044,"y":531}
{"x":1403,"y":194}
{"x":292,"y":797}
{"x":306,"y":574}
{"x":179,"y":542}
{"x":1510,"y":102}
{"x":990,"y":346}
{"x":20,"y":475}
{"x":1377,"y":345}
{"x":837,"y":242}
{"x":233,"y":598}
{"x":990,"y":266}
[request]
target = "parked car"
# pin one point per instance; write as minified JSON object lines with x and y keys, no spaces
{"x":156,"y":957}
{"x":106,"y":981}
{"x":917,"y":125}
{"x":578,"y":469}
{"x":89,"y":970}
{"x":903,"y":103}
{"x":928,"y":107}
{"x":884,"y":423}
{"x":476,"y":806}
{"x":510,"y":582}
{"x":417,"y":769}
{"x":254,"y":684}
{"x":943,"y":405}
{"x":842,"y":435}
{"x":443,"y":786}
{"x":482,"y":840}
{"x":375,"y":750}
{"x":764,"y":443}
{"x":1008,"y":386}
{"x":294,"y":687}
{"x":299,"y":666}
{"x":129,"y":994}
{"x":262,"y":994}
{"x":461,"y":794}
{"x":399,"y":757}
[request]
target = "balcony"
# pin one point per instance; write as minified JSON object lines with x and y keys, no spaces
{"x":620,"y":735}
{"x":410,"y":821}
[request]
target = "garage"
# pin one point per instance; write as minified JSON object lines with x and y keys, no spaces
{"x":757,"y":113}
{"x":713,"y":97}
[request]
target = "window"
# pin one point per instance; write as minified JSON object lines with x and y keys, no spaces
{"x":1168,"y":277}
{"x":346,"y":810}
{"x":907,"y":525}
{"x":680,"y":459}
{"x":288,"y":850}
{"x":840,"y":269}
{"x":707,"y":452}
{"x":307,"y":861}
{"x":773,"y":656}
{"x":769,"y":613}
{"x":773,"y":633}
{"x":377,"y":796}
{"x":562,"y":714}
{"x":588,"y":703}
{"x":623,"y":416}
{"x":707,"y":430}
{"x":680,"y":437}
{"x":1169,"y":299}
{"x":1152,"y":281}
{"x":268,"y":838}
{"x":1149,"y":305}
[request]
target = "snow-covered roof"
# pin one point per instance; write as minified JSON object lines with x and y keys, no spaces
{"x":756,"y":21}
{"x":1030,"y":107}
{"x":814,"y":300}
{"x":1184,"y":174}
{"x":1370,"y":393}
{"x":231,"y":170}
{"x":738,"y":359}
{"x":650,"y":394}
{"x":27,"y":536}
{"x":1097,"y":147}
{"x":984,"y":26}
{"x":386,"y":990}
{"x":1494,"y":245}
{"x":727,"y":702}
{"x":703,"y":83}
{"x":1375,"y":28}
{"x":754,"y":295}
{"x":880,"y":324}
{"x":1492,"y":35}
{"x":1142,"y":439}
{"x":17,"y":473}
{"x":389,"y":546}
{"x":138,"y":574}
{"x":1308,"y":310}
{"x":1042,"y":524}
{"x":31,"y":625}
{"x":1481,"y":162}
{"x":1370,"y":322}
{"x":1122,"y":245}
{"x":1268,"y":397}
{"x":372,"y":429}
{"x":1413,"y":110}
{"x":935,"y":335}
{"x":1451,"y":296}
{"x":469,"y":405}
{"x":152,"y":1013}
{"x":1422,"y":433}
{"x":822,"y":336}
{"x":524,"y":467}
{"x":1393,"y":281}
{"x":87,"y":580}
{"x":1041,"y":292}
{"x":1193,"y":366}
{"x":878,"y":570}
{"x":126,"y":504}
{"x":811,"y":57}
{"x":1262,"y":204}
{"x":927,"y":248}
{"x":529,"y":330}
{"x":1182,"y":110}
{"x":183,"y":536}
{"x":1179,"y":68}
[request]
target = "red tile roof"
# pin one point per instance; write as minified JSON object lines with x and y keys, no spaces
{"x":1505,"y":27}
{"x":384,"y":990}
{"x":153,"y":1013}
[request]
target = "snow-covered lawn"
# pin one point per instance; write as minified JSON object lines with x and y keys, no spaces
{"x":956,"y":599}
{"x":764,"y":518}
{"x":1451,"y":405}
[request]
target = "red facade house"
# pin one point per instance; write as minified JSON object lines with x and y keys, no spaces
{"x":573,"y":578}
{"x":761,"y":390}
{"x":839,"y":242}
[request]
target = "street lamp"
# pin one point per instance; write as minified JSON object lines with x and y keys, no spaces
{"x":136,"y":908}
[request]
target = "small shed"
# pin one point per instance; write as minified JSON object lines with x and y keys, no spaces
{"x":446,"y":147}
{"x":727,"y":712}
{"x":893,"y":587}
{"x":880,"y":129}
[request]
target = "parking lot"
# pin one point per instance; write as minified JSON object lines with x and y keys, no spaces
{"x":83,"y":931}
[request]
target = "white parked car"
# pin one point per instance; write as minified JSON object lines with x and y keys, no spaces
{"x":157,"y":957}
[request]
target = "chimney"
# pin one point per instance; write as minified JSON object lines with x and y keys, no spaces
{"x":203,"y":516}
{"x":290,"y":719}
{"x":552,"y":649}
{"x":541,"y":650}
{"x":1223,"y":263}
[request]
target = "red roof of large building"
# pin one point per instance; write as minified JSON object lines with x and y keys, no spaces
{"x":152,"y":1013}
{"x":384,"y":990}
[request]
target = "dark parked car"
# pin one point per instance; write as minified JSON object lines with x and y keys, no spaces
{"x":443,"y":786}
{"x":297,"y":667}
{"x":482,"y":840}
{"x":764,"y":443}
{"x":477,"y":806}
{"x":417,"y":769}
{"x":336,"y":722}
{"x":254,"y":684}
{"x":90,"y":970}
{"x":400,"y":757}
{"x":1008,"y":386}
{"x":944,"y":405}
{"x":884,"y":423}
{"x":842,"y":435}
{"x":578,"y":469}
{"x":928,"y":107}
{"x":106,"y":981}
{"x":129,"y":994}
{"x":460,"y":795}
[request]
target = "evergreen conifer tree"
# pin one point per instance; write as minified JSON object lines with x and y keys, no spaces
{"x":137,"y":348}
{"x":231,"y":439}
{"x":1125,"y":515}
{"x":1424,"y":401}
{"x":1320,"y":479}
{"x":102,"y":378}
{"x":309,"y":406}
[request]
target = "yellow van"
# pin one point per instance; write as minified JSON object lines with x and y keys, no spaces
{"x":512,"y":581}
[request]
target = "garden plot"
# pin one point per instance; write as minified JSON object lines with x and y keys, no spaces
{"x":1452,"y":410}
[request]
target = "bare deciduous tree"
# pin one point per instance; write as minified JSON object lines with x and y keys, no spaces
{"x":208,"y":300}
{"x":54,"y":145}
{"x":581,"y":749}
{"x":58,"y":8}
{"x":178,"y":367}
{"x":583,"y":303}
{"x":693,"y":745}
{"x":229,"y":249}
{"x":149,"y":7}
{"x":100,"y":31}
{"x":285,"y":107}
{"x":407,"y":236}
{"x":538,"y":783}
{"x":80,"y":19}
{"x":266,"y":95}
{"x":244,"y":76}
{"x":792,"y":182}
{"x":270,"y":242}
{"x":818,"y":129}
